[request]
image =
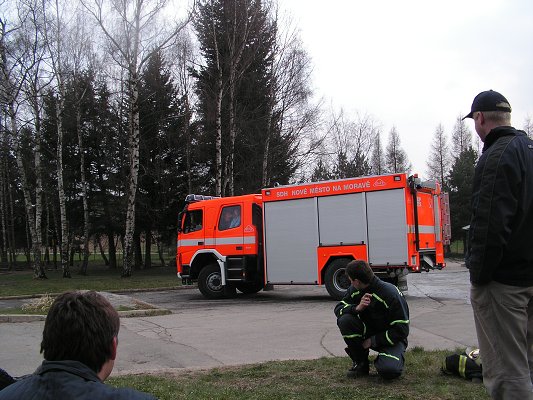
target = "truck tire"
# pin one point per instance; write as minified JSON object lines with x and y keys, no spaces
{"x":336,"y":280}
{"x":250,"y":287}
{"x":210,"y":282}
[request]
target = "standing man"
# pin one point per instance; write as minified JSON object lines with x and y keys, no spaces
{"x":500,"y":250}
{"x":80,"y":340}
{"x":373,"y":315}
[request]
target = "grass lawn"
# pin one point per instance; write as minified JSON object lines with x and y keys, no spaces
{"x":311,"y":379}
{"x":99,"y":278}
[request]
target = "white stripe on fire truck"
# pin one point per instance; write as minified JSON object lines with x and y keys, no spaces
{"x":422,"y":229}
{"x":212,"y":241}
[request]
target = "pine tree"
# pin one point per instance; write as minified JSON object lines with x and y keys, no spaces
{"x":236,"y":114}
{"x":162,"y":159}
{"x":460,"y":187}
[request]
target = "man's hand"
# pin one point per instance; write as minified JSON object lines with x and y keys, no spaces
{"x":365,"y":301}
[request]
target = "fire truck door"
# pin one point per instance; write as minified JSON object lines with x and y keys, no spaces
{"x":192,"y":236}
{"x":229,"y":231}
{"x":426,"y":220}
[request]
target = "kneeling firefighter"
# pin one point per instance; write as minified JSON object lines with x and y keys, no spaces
{"x":373,"y":315}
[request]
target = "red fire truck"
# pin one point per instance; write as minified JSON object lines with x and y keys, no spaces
{"x":305,"y":234}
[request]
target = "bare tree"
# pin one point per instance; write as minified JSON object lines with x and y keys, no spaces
{"x":52,"y":31}
{"x":184,"y":56}
{"x":17,"y":64}
{"x":377,"y":159}
{"x":461,"y":137}
{"x":139,"y":33}
{"x":289,"y":85}
{"x":79,"y":56}
{"x":439,"y":162}
{"x":528,"y":127}
{"x":351,"y":142}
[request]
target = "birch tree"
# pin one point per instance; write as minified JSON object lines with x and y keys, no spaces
{"x":289,"y":84}
{"x":18,"y":58}
{"x":52,"y":31}
{"x":139,"y":32}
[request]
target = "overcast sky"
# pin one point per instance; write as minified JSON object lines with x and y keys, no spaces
{"x":417,"y":63}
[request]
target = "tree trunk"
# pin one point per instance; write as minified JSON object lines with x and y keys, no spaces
{"x":218,"y":139}
{"x":133,"y":177}
{"x":102,"y":252}
{"x":3,"y":208}
{"x":265,"y":179}
{"x":60,"y":106}
{"x":157,"y":240}
{"x":56,"y":233}
{"x":86,"y":227}
{"x":27,"y":248}
{"x":47,"y":235}
{"x":188,"y":143}
{"x":38,"y":270}
{"x":148,"y":249}
{"x":38,"y":244}
{"x":11,"y":219}
{"x":137,"y":251}
{"x":112,"y":249}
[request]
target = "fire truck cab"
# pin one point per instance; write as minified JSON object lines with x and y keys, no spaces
{"x":307,"y":233}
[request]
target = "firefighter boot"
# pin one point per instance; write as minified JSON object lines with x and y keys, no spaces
{"x":360,"y":366}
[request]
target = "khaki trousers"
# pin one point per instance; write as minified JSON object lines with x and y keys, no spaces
{"x":503,"y":316}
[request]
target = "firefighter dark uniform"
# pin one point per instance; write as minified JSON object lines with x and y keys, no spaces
{"x":385,"y":321}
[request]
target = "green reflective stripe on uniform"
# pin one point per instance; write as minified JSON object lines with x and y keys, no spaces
{"x":388,"y":338}
{"x":462,"y":366}
{"x":389,"y":355}
{"x":400,"y":321}
{"x":355,"y":293}
{"x":380,"y":299}
{"x":345,"y":305}
{"x":352,"y":336}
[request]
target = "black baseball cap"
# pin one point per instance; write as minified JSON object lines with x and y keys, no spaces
{"x":489,"y":101}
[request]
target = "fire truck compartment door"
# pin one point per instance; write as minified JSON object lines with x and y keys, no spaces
{"x":291,"y":240}
{"x":342,"y":219}
{"x":387,"y":227}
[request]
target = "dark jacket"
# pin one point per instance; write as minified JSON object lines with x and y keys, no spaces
{"x":501,"y":229}
{"x":387,"y":316}
{"x":58,"y":380}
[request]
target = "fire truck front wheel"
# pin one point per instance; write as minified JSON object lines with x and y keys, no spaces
{"x":210,"y":283}
{"x":336,"y":280}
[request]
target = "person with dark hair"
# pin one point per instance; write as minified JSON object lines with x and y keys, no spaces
{"x":500,"y":252}
{"x":79,"y":345}
{"x":373,"y":315}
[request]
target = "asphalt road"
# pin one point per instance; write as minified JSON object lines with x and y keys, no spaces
{"x":290,"y":322}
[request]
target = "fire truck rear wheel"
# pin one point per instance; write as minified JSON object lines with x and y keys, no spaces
{"x":210,"y":282}
{"x":336,"y":280}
